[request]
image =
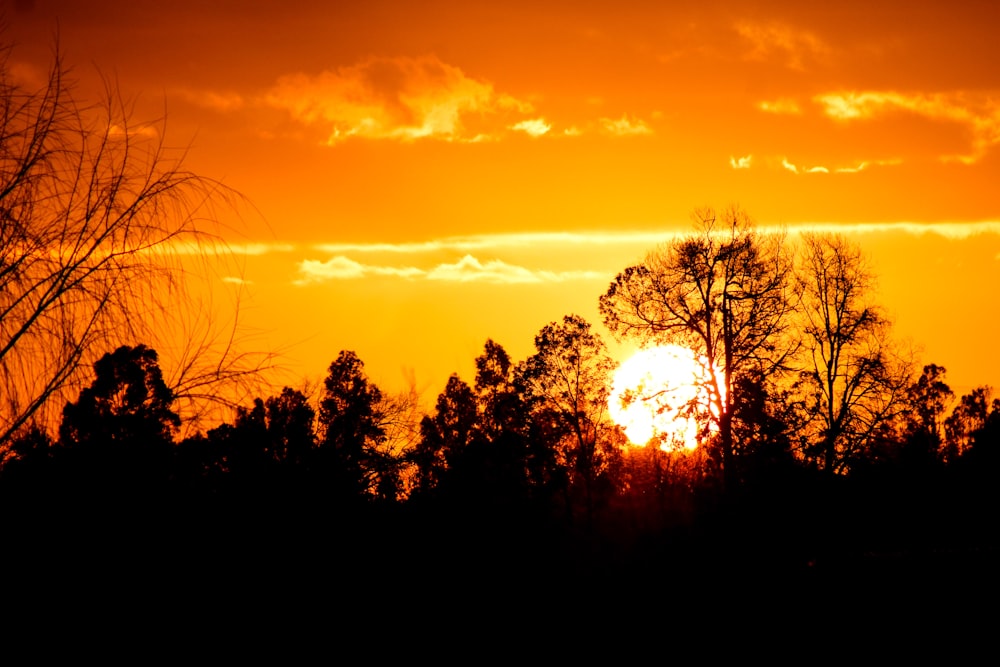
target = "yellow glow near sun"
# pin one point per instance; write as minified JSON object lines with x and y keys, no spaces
{"x":652,"y":395}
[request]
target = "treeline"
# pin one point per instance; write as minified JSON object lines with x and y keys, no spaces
{"x":522,"y":466}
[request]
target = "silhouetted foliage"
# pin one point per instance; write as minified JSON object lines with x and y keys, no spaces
{"x":852,"y":383}
{"x":118,"y":435}
{"x":93,"y":210}
{"x":127,"y":403}
{"x":724,"y":292}
{"x":447,"y":434}
{"x":926,"y":402}
{"x":966,"y":421}
{"x":566,"y":386}
{"x":351,"y":456}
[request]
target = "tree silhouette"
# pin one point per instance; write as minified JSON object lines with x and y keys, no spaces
{"x":965,"y":422}
{"x":446,"y":436}
{"x":567,"y":380}
{"x":352,"y":434}
{"x":724,"y":292}
{"x":853,"y":383}
{"x":94,"y":214}
{"x":127,"y":403}
{"x":926,"y":402}
{"x":119,"y":432}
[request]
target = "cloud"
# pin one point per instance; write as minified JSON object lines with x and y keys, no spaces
{"x":470,"y":269}
{"x":535,"y":128}
{"x":793,"y":44}
{"x":494,"y":242}
{"x":950,"y":230}
{"x":144,"y":131}
{"x":980,"y":114}
{"x":780,"y":106}
{"x":853,"y":169}
{"x":740,"y":163}
{"x":344,"y":268}
{"x":235,"y":280}
{"x":391,"y":98}
{"x":218,"y":101}
{"x":465,"y":270}
{"x":625,"y":126}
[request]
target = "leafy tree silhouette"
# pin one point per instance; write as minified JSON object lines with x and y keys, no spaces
{"x":723,"y":291}
{"x":93,"y":214}
{"x":118,"y":435}
{"x":128,"y":403}
{"x":349,"y":454}
{"x":445,"y":436}
{"x":566,"y":384}
{"x":926,"y":402}
{"x":965,"y":422}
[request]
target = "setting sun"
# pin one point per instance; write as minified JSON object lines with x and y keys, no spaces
{"x":661,"y":393}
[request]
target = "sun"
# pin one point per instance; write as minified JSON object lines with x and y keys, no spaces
{"x":658,"y":393}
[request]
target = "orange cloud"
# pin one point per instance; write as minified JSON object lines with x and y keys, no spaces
{"x":740,"y":163}
{"x":793,"y":44}
{"x":391,"y":98}
{"x":470,"y":269}
{"x":215,"y":100}
{"x":535,"y":128}
{"x":981,"y":116}
{"x":780,"y":106}
{"x":820,"y":169}
{"x":343,"y":268}
{"x":465,"y":270}
{"x":625,"y":126}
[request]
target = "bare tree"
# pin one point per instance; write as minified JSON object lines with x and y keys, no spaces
{"x":724,"y":292}
{"x":852,"y":379}
{"x":95,"y":216}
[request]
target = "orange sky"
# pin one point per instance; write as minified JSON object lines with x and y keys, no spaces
{"x":428,"y":175}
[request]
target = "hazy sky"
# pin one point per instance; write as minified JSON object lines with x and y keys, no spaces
{"x":427,"y":175}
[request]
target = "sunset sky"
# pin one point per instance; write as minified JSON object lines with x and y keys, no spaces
{"x":425,"y":175}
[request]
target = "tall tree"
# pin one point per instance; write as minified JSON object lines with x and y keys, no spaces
{"x":445,"y":436}
{"x":966,"y":421}
{"x":851,"y":379}
{"x":351,"y":451}
{"x":568,"y":379}
{"x":723,"y":291}
{"x":927,"y":399}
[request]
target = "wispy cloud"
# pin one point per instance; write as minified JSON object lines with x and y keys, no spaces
{"x":780,"y":106}
{"x":470,"y":269}
{"x":144,"y":131}
{"x":465,"y":270}
{"x":980,"y":114}
{"x":740,"y":163}
{"x":344,"y":268}
{"x":536,"y":127}
{"x":791,"y":44}
{"x":625,"y":126}
{"x":223,"y":101}
{"x":847,"y":169}
{"x":950,"y":230}
{"x":467,"y":244}
{"x":391,"y":98}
